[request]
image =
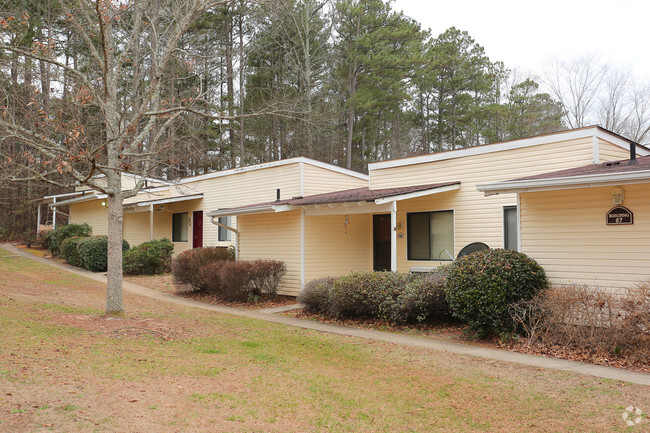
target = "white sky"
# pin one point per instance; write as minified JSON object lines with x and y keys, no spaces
{"x":524,"y":34}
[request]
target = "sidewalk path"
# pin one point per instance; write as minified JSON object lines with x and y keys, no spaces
{"x":482,"y":352}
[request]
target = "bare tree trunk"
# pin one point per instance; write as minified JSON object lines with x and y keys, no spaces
{"x":114,"y":303}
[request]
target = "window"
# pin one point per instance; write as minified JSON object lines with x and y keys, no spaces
{"x":179,"y":227}
{"x":430,"y":235}
{"x":224,"y":234}
{"x":510,"y":227}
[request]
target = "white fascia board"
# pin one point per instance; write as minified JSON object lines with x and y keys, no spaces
{"x":69,"y":194}
{"x":367,"y":207}
{"x":79,"y":200}
{"x":417,"y":194}
{"x":169,"y":200}
{"x":620,"y":142}
{"x":279,"y":163}
{"x":246,"y":211}
{"x":565,"y":182}
{"x":335,"y":168}
{"x":508,"y":145}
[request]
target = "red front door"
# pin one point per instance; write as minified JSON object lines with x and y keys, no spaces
{"x":197,"y":229}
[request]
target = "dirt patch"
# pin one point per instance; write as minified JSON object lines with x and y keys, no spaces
{"x":123,"y":327}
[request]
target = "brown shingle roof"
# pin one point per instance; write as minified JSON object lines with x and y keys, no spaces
{"x":623,"y":166}
{"x":346,"y":196}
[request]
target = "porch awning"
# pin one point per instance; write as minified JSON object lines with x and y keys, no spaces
{"x":358,"y":200}
{"x":134,"y":207}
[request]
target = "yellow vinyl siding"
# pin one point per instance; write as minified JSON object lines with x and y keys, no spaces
{"x":610,"y":152}
{"x":332,"y":249}
{"x":136,"y":228}
{"x":185,"y":206}
{"x":477,"y":218}
{"x":91,"y":213}
{"x":565,"y":232}
{"x":488,"y":167}
{"x":318,"y":180}
{"x":239,"y":189}
{"x":274,"y":237}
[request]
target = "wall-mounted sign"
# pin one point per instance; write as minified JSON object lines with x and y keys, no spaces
{"x":619,"y":215}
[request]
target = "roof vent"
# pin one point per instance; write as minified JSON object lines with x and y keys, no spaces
{"x":298,"y":197}
{"x":277,"y":194}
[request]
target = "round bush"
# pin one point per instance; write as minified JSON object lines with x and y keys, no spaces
{"x":316,"y":295}
{"x":481,"y":286}
{"x":55,"y":238}
{"x":186,"y":266}
{"x":149,"y":258}
{"x":70,"y":250}
{"x":93,"y":253}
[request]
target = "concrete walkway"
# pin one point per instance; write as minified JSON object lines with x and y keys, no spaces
{"x":427,"y":343}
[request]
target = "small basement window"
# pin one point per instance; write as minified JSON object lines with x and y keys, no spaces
{"x":430,"y":235}
{"x":179,"y":227}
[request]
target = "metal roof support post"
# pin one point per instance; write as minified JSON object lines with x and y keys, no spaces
{"x":150,"y":222}
{"x":38,"y":219}
{"x":302,"y":248}
{"x":54,"y":214}
{"x":393,"y":236}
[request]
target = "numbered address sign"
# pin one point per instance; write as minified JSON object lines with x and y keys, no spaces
{"x":619,"y":215}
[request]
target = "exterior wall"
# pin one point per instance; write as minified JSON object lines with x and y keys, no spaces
{"x":274,"y":237}
{"x":565,"y":232}
{"x":333,"y":248}
{"x":610,"y":152}
{"x":318,"y":180}
{"x":476,"y":218}
{"x":488,"y":167}
{"x":238,"y":189}
{"x":91,"y":213}
{"x":185,"y":206}
{"x":136,"y":228}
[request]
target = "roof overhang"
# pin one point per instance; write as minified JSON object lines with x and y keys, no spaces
{"x":569,"y":182}
{"x":252,"y":210}
{"x":381,"y":204}
{"x":145,"y":206}
{"x":87,"y":197}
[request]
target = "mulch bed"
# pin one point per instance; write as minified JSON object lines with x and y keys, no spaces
{"x":265,"y":301}
{"x":459,"y":333}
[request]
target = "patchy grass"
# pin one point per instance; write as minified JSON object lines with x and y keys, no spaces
{"x":66,"y":367}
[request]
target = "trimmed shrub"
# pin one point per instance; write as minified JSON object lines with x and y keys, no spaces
{"x":317,"y":294}
{"x":93,"y":253}
{"x":241,"y":281}
{"x":54,"y":238}
{"x":185,"y":267}
{"x":481,"y":286}
{"x":397,"y":298}
{"x":70,"y":250}
{"x":421,"y":299}
{"x":366,"y":294}
{"x":265,"y":276}
{"x":149,"y":258}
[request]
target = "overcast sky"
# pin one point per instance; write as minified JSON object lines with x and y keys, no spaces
{"x":524,"y":34}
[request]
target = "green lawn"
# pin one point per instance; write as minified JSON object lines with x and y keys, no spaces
{"x":64,"y":367}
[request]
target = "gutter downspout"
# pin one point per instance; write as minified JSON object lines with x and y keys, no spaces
{"x":232,"y":229}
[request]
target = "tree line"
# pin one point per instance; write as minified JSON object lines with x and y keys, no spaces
{"x":173,"y":88}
